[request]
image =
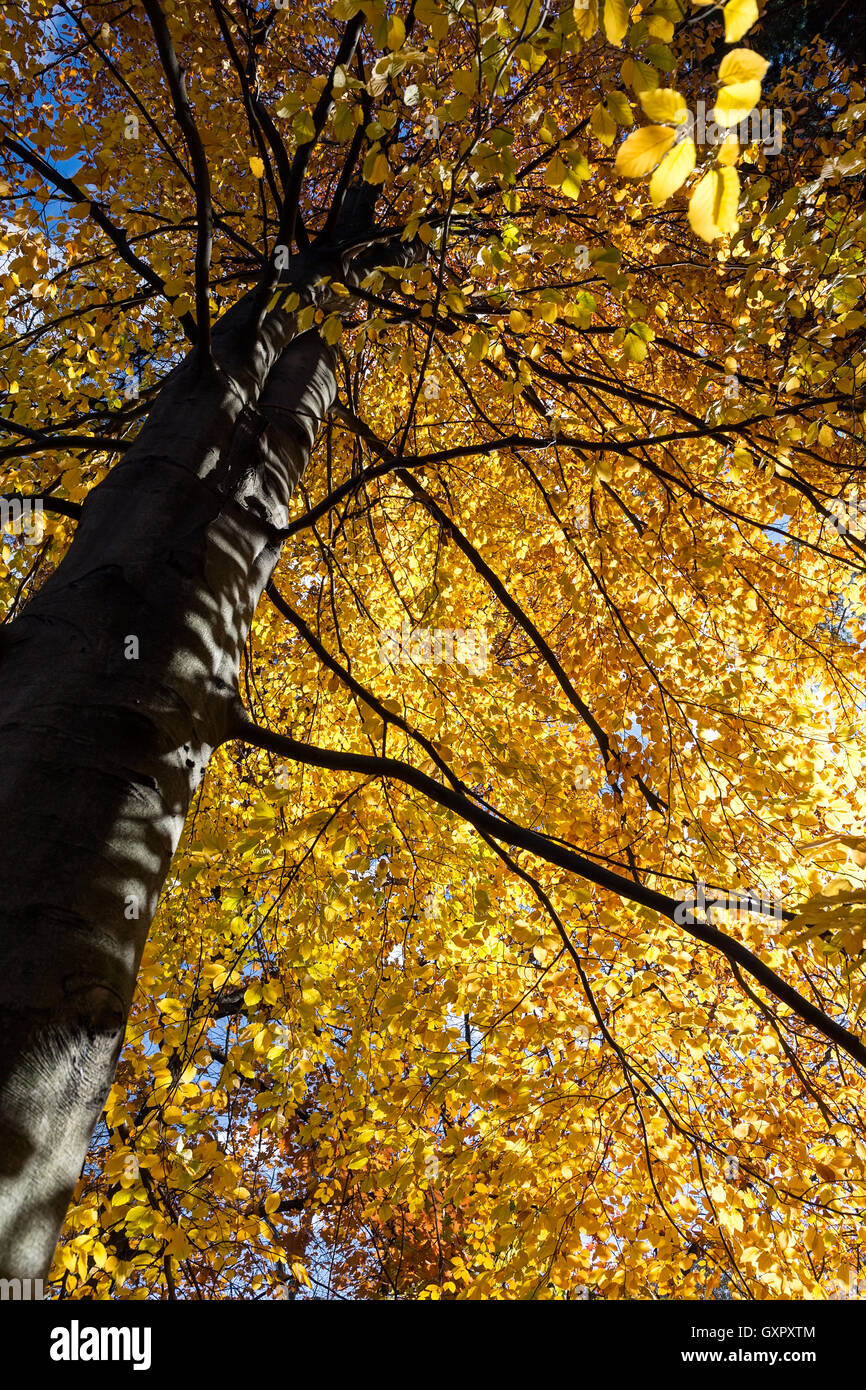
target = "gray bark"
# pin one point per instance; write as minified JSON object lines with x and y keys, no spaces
{"x":103,"y":747}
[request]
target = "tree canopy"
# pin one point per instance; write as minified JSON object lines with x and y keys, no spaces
{"x":515,"y":946}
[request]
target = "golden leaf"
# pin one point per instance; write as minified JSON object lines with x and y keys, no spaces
{"x":643,"y":150}
{"x":740,"y":15}
{"x":714,"y":203}
{"x":673,"y":171}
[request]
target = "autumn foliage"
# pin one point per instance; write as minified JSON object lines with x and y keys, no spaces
{"x":605,"y":431}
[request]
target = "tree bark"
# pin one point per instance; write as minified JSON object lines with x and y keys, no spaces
{"x":116,"y":684}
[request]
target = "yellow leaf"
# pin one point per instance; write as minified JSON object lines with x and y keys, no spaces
{"x":740,"y":15}
{"x":570,"y":186}
{"x":555,"y":172}
{"x":642,"y":151}
{"x":664,"y":104}
{"x":332,"y":328}
{"x":603,"y":125}
{"x":660,"y":28}
{"x":714,"y":203}
{"x":172,"y":1008}
{"x":742,"y":65}
{"x":396,"y":33}
{"x":616,"y":20}
{"x":465,"y":81}
{"x":641,"y":77}
{"x":734,"y":103}
{"x":619,"y":107}
{"x":434,"y":16}
{"x":729,"y":151}
{"x":344,"y":121}
{"x":257,"y":167}
{"x":586,"y":18}
{"x":376,"y":168}
{"x":729,"y":201}
{"x":673,"y":171}
{"x":304,"y":126}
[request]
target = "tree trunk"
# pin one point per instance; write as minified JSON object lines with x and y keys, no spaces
{"x":116,"y":684}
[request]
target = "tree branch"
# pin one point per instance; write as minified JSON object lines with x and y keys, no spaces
{"x":56,"y":505}
{"x":204,"y":211}
{"x":292,"y":191}
{"x":508,"y":832}
{"x":116,"y":235}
